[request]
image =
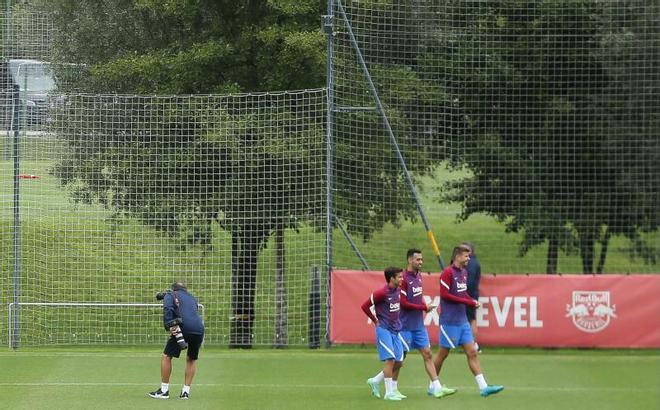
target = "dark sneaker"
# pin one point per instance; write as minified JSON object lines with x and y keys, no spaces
{"x":184,"y":396}
{"x":158,"y":394}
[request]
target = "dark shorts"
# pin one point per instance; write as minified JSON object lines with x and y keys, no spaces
{"x":471,"y":313}
{"x":194,"y":343}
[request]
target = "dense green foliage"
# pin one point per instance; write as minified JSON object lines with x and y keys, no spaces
{"x":560,"y":121}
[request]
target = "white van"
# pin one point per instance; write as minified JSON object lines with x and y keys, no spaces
{"x":35,"y":80}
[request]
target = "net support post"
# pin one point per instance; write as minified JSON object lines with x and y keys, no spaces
{"x":17,"y":220}
{"x":328,"y":27}
{"x":386,"y":122}
{"x":315,"y":307}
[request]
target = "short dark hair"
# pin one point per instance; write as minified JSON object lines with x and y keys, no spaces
{"x":391,"y":272}
{"x":411,"y":252}
{"x":460,"y":249}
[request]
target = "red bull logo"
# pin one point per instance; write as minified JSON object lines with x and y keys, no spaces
{"x":591,"y":311}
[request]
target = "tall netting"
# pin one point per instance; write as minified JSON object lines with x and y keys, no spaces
{"x":530,"y":128}
{"x":121,"y":195}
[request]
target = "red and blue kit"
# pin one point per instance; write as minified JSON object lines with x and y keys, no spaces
{"x":387,"y":303}
{"x":453,"y":296}
{"x":412,"y":301}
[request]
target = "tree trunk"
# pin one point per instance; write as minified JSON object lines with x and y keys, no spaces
{"x":587,"y":252}
{"x":553,"y":252}
{"x":246,"y":245}
{"x":603,"y":251}
{"x":281,"y":322}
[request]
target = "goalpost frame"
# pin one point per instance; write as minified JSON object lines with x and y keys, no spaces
{"x":11,"y":306}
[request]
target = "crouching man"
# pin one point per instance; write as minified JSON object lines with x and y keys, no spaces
{"x":181,"y":318}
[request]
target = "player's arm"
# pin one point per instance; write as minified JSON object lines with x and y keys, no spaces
{"x":169,"y":310}
{"x":405,"y":303}
{"x":375,"y":297}
{"x":446,"y":280}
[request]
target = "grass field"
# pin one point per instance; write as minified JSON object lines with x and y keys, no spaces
{"x":119,"y":378}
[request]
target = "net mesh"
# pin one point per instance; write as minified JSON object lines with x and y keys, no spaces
{"x":534,"y":122}
{"x":121,"y":195}
{"x":529,"y":128}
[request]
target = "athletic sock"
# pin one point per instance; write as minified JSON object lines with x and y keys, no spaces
{"x":186,"y":389}
{"x":388,"y":385}
{"x":395,"y":385}
{"x":164,"y":387}
{"x":379,"y":377}
{"x":435,"y":385}
{"x":481,"y":381}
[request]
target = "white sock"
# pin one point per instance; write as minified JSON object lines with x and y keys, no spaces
{"x":395,"y":385}
{"x":164,"y":387}
{"x":435,"y":385}
{"x":186,"y":389}
{"x":379,"y":377}
{"x":481,"y":381}
{"x":476,"y":345}
{"x":388,"y":385}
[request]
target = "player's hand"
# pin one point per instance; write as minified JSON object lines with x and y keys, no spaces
{"x":173,"y":329}
{"x":478,"y":305}
{"x":430,"y":308}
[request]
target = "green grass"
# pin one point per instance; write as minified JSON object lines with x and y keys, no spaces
{"x":119,"y":378}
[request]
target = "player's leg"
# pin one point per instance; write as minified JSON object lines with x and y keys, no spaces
{"x":171,"y":350}
{"x":422,"y":343}
{"x":194,"y":344}
{"x":470,"y":349}
{"x":473,"y":326}
{"x":388,"y":369}
{"x":399,"y":356}
{"x":385,"y":352}
{"x":402,"y":346}
{"x":439,"y":359}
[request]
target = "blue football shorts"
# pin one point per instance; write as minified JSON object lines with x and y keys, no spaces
{"x":455,"y":335}
{"x":415,"y":339}
{"x":389,"y":344}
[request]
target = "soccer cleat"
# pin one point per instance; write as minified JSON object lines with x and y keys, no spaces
{"x":184,"y":395}
{"x":441,"y":392}
{"x":158,"y":394}
{"x":488,"y":390}
{"x":399,"y":394}
{"x":392,"y":396}
{"x":375,"y":390}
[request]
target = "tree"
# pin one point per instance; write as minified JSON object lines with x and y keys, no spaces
{"x":149,"y":46}
{"x":202,"y":47}
{"x":548,"y":120}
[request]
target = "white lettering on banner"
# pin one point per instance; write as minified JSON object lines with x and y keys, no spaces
{"x":432,"y":317}
{"x":522,"y":316}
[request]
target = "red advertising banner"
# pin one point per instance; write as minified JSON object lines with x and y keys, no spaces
{"x":611,"y":311}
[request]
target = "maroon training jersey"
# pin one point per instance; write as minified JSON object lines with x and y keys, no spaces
{"x":453,"y":296}
{"x":412,"y":301}
{"x":387,"y":303}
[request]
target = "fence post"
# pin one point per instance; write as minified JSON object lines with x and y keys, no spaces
{"x":17,"y":227}
{"x":315,"y":307}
